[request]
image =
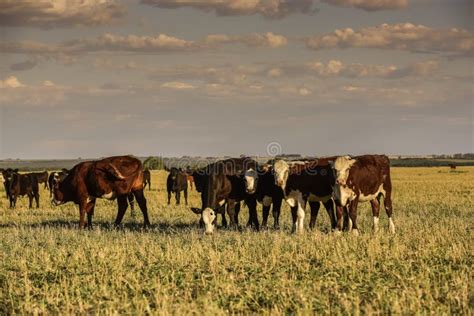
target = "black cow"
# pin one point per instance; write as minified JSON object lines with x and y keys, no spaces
{"x":175,"y":183}
{"x":228,"y":182}
{"x":268,"y":194}
{"x":7,"y":175}
{"x":23,"y":184}
{"x":307,"y":181}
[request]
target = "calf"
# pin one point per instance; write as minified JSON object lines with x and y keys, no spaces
{"x":306,"y":181}
{"x":23,"y":184}
{"x":175,"y":183}
{"x":108,"y":178}
{"x":269,"y":193}
{"x":147,"y":179}
{"x":361,"y":179}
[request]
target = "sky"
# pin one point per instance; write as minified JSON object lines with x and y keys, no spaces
{"x":94,"y":78}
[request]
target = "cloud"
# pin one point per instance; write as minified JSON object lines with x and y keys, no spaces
{"x":59,"y":13}
{"x":272,"y":9}
{"x":403,"y":36}
{"x":11,"y":82}
{"x":24,"y":65}
{"x":252,"y":40}
{"x":370,"y":5}
{"x":177,"y":85}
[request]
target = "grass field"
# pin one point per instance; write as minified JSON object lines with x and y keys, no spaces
{"x":48,"y":266}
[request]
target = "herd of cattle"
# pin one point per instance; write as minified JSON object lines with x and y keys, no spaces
{"x":339,"y":183}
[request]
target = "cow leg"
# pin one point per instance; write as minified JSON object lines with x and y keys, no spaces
{"x":90,"y":213}
{"x":388,"y":209}
{"x":347,"y":225}
{"x":300,"y":214}
{"x":276,"y":212}
{"x":131,"y":201}
{"x":353,"y":216}
{"x":224,"y":219}
{"x":329,"y":205}
{"x":294,"y":216}
{"x":122,"y":208}
{"x":252,"y":206}
{"x":265,"y":213}
{"x":237,"y":212}
{"x":140,"y":197}
{"x":30,"y":199}
{"x":185,"y":193}
{"x":314,"y":206}
{"x":339,"y":218}
{"x":178,"y":196}
{"x":231,"y":205}
{"x":375,"y":213}
{"x":37,"y":197}
{"x":169,"y":197}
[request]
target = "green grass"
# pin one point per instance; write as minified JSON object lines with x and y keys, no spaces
{"x":49,"y":266}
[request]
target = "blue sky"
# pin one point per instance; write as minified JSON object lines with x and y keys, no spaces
{"x":207,"y":77}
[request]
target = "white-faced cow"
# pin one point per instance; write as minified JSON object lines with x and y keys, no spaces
{"x":269,"y":195}
{"x":108,"y":178}
{"x":361,"y":179}
{"x":306,"y":181}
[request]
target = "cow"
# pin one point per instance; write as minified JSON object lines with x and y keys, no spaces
{"x":228,"y":182}
{"x":7,"y":175}
{"x":306,"y":181}
{"x":269,"y":194}
{"x":108,"y":178}
{"x":60,"y":175}
{"x":147,"y":179}
{"x":42,"y":178}
{"x":23,"y":184}
{"x":361,"y":179}
{"x":175,"y":183}
{"x":452,"y":166}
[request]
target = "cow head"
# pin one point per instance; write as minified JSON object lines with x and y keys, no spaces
{"x":58,"y":194}
{"x":208,"y":218}
{"x":251,"y":179}
{"x":341,"y":191}
{"x":281,"y":170}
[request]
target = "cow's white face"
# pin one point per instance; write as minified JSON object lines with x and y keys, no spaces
{"x":342,"y":193}
{"x":58,"y":196}
{"x":208,"y":218}
{"x":281,"y":171}
{"x":251,"y":178}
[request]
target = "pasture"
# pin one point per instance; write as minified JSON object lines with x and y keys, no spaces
{"x":49,"y":266}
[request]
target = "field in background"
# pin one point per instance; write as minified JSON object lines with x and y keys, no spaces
{"x":48,"y":266}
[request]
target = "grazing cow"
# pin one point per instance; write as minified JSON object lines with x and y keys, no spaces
{"x":147,"y":179}
{"x":228,"y":182}
{"x":306,"y":181}
{"x":60,"y":175}
{"x":175,"y":183}
{"x":7,"y":175}
{"x":452,"y":166}
{"x":361,"y":179}
{"x":23,"y":184}
{"x":108,"y":178}
{"x":269,"y":193}
{"x":42,"y":178}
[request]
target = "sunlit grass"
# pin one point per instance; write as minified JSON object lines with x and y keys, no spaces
{"x":49,"y":266}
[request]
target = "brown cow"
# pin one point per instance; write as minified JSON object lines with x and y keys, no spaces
{"x":360,"y":179}
{"x":108,"y":178}
{"x":452,"y":166}
{"x":23,"y":184}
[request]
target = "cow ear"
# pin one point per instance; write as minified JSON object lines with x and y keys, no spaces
{"x":111,"y":169}
{"x":64,"y":170}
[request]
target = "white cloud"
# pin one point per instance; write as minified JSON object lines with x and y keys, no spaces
{"x":273,"y":9}
{"x":268,"y":39}
{"x":370,"y":5}
{"x":11,"y":82}
{"x":59,"y":13}
{"x":403,"y":36}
